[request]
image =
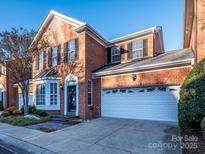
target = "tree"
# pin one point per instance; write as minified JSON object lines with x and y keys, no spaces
{"x":18,"y":50}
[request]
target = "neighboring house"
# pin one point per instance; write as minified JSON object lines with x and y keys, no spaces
{"x":8,"y":94}
{"x":128,"y":77}
{"x":194,"y":27}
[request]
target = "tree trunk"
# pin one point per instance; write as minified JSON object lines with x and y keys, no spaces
{"x":26,"y":103}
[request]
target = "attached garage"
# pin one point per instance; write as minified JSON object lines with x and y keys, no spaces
{"x":150,"y":103}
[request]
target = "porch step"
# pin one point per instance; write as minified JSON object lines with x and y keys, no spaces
{"x":63,"y":118}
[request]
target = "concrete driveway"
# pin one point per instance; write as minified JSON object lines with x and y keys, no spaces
{"x":110,"y":136}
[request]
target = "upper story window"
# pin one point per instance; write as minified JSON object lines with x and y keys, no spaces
{"x":90,"y":93}
{"x":70,"y":50}
{"x":2,"y":70}
{"x":137,"y":49}
{"x":115,"y":54}
{"x":40,"y":94}
{"x":54,"y":55}
{"x":53,"y":94}
{"x":40,"y":60}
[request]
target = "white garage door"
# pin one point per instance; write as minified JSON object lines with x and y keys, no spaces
{"x":152,"y":103}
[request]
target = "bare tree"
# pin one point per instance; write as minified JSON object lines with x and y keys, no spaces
{"x":18,"y":50}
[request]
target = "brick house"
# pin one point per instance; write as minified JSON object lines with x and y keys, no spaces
{"x":128,"y":77}
{"x":194,"y":27}
{"x":8,"y":93}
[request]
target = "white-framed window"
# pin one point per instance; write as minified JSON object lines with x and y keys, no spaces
{"x":2,"y":70}
{"x":90,"y":93}
{"x":55,"y":55}
{"x":71,"y":50}
{"x":115,"y":54}
{"x":53,"y":94}
{"x":137,"y":49}
{"x":40,"y":60}
{"x":40,"y":94}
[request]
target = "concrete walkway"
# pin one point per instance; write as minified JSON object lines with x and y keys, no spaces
{"x":99,"y":136}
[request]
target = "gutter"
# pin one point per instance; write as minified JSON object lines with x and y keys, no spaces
{"x":144,"y":68}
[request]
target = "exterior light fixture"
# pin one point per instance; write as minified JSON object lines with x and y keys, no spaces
{"x":134,"y":77}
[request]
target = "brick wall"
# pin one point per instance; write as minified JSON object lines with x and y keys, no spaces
{"x":166,"y":77}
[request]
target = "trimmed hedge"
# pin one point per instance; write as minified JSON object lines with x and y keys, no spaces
{"x":192,"y":98}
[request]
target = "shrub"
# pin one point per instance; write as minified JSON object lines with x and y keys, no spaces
{"x":31,"y":109}
{"x":5,"y":114}
{"x":192,"y":98}
{"x":203,"y":127}
{"x":11,"y":109}
{"x":16,"y":112}
{"x":41,"y":113}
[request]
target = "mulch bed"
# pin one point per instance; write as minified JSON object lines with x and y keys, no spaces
{"x":200,"y":142}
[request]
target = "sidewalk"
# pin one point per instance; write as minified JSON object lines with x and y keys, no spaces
{"x":14,"y":138}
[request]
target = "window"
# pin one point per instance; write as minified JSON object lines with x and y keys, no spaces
{"x":150,"y":89}
{"x":90,"y":91}
{"x":53,"y":94}
{"x":115,"y":54}
{"x":70,"y":50}
{"x":54,"y":55}
{"x":162,"y":88}
{"x":114,"y":91}
{"x":137,"y":49}
{"x":40,"y":60}
{"x":2,"y":70}
{"x":40,"y":94}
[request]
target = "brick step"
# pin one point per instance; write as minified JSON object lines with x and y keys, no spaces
{"x":63,"y":118}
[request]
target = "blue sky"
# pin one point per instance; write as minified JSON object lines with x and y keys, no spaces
{"x":111,"y":18}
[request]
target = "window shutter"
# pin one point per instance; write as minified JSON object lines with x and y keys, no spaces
{"x":129,"y":46}
{"x":122,"y":49}
{"x":50,"y":57}
{"x":44,"y":59}
{"x":145,"y":47}
{"x":59,"y":55}
{"x":66,"y":52}
{"x":37,"y":61}
{"x":76,"y":49}
{"x":108,"y":55}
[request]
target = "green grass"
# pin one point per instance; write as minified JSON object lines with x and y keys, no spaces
{"x":21,"y":121}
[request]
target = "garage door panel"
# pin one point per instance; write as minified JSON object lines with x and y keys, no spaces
{"x":154,"y":105}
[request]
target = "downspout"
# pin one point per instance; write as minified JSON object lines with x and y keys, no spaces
{"x":196,"y":40}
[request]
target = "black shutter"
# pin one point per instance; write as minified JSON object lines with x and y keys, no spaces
{"x":65,"y":52}
{"x":44,"y":59}
{"x":37,"y":61}
{"x":129,"y":46}
{"x":108,"y":55}
{"x":122,"y":49}
{"x":50,"y":57}
{"x":145,"y":47}
{"x":59,"y":55}
{"x":76,"y":49}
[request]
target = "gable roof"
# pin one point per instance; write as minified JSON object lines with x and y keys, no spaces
{"x":82,"y":26}
{"x":169,"y":59}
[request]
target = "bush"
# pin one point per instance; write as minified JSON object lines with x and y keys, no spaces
{"x":5,"y":114}
{"x":31,"y":109}
{"x":41,"y":113}
{"x":192,"y":98}
{"x":203,"y":127}
{"x":11,"y":109}
{"x":16,"y":112}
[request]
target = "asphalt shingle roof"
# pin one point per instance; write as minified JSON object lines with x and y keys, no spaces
{"x":167,"y":57}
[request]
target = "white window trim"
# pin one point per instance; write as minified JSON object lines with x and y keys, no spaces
{"x":113,"y":54}
{"x":90,"y":92}
{"x":54,"y":94}
{"x":47,"y":105}
{"x":138,"y":49}
{"x":41,"y":94}
{"x":69,"y":50}
{"x":54,"y":58}
{"x":40,"y":63}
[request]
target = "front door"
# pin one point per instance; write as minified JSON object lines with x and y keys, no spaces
{"x":71,"y":99}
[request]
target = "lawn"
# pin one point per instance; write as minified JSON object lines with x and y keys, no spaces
{"x":21,"y":121}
